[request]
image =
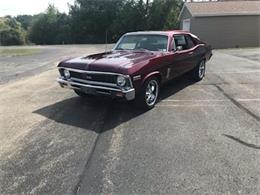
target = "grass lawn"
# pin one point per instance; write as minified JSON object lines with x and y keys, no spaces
{"x":18,"y":51}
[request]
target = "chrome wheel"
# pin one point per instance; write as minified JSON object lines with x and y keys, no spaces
{"x":202,"y":69}
{"x":151,"y":92}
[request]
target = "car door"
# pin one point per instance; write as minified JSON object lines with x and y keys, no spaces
{"x":181,"y":55}
{"x":193,"y":51}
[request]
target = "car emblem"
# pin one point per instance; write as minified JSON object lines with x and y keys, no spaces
{"x":88,"y":77}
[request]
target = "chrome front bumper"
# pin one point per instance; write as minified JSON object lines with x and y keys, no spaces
{"x":96,"y":89}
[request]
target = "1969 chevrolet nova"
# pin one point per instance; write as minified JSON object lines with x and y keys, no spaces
{"x":137,"y":66}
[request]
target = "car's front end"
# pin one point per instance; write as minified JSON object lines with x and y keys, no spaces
{"x":97,"y":83}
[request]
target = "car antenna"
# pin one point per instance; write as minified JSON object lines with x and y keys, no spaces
{"x":106,"y":42}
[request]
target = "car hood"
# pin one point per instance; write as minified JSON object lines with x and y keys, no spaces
{"x":114,"y":61}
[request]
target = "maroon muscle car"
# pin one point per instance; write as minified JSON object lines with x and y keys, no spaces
{"x":137,"y":66}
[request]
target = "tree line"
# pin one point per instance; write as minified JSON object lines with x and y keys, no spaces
{"x":90,"y":21}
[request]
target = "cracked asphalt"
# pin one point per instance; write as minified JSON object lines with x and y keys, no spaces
{"x":201,"y":138}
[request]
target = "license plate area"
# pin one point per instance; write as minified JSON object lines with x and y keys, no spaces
{"x":93,"y":91}
{"x":88,"y":90}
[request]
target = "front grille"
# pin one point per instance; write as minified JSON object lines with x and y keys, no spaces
{"x":95,"y":79}
{"x":76,"y":75}
{"x":105,"y":78}
{"x":92,"y":76}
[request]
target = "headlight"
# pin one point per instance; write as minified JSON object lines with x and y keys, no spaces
{"x":121,"y":81}
{"x":67,"y":74}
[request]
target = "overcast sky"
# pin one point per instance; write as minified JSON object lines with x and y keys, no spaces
{"x":18,"y":7}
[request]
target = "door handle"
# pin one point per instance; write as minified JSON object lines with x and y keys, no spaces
{"x":190,"y":53}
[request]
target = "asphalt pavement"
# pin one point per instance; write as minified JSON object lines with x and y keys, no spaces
{"x":45,"y":58}
{"x":201,"y":138}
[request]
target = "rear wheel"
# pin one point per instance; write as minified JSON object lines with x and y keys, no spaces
{"x":82,"y":94}
{"x":149,"y":93}
{"x":199,"y":71}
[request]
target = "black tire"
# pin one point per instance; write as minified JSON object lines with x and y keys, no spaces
{"x":199,"y":71}
{"x":82,"y":94}
{"x":142,"y":97}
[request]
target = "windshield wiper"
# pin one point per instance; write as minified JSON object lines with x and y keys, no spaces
{"x":119,"y":48}
{"x":142,"y":49}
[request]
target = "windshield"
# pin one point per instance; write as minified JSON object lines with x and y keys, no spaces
{"x":143,"y":42}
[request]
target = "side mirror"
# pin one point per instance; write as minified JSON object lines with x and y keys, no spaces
{"x":179,"y":48}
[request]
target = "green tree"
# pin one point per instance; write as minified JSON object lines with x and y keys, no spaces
{"x":130,"y":17}
{"x":94,"y":21}
{"x":91,"y":19}
{"x":163,"y":14}
{"x":11,"y":32}
{"x":25,"y":20}
{"x":172,"y":21}
{"x":51,"y":27}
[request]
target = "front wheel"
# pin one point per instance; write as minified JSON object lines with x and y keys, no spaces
{"x":149,"y":93}
{"x":199,"y":71}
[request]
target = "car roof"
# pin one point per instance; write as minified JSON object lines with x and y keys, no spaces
{"x":166,"y":33}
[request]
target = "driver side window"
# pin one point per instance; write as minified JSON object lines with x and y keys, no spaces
{"x":183,"y":42}
{"x":180,"y":42}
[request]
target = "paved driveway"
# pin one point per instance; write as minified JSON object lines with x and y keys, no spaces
{"x":201,"y":138}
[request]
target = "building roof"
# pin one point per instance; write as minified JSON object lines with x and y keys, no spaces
{"x":225,"y":8}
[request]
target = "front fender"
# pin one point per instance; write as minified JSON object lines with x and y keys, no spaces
{"x":139,"y":83}
{"x":155,"y":73}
